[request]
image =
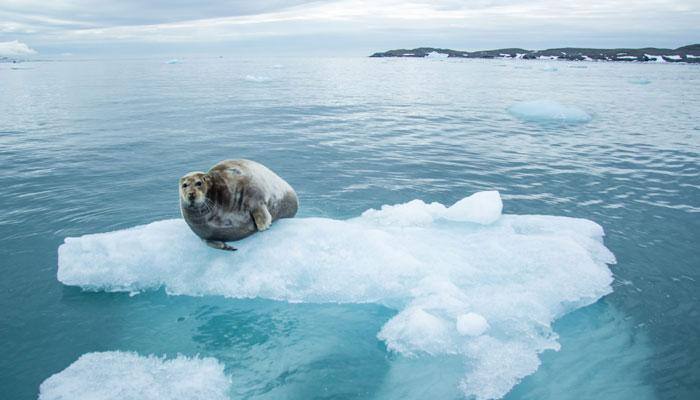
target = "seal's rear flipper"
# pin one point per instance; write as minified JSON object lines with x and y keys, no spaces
{"x":217,"y":244}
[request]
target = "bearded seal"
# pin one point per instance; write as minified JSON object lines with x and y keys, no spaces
{"x":235,"y":199}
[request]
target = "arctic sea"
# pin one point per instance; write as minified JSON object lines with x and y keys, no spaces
{"x":422,"y":301}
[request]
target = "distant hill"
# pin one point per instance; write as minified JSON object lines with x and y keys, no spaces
{"x":687,"y":54}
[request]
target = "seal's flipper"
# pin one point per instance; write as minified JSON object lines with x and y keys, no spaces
{"x":217,"y":244}
{"x":262,"y":217}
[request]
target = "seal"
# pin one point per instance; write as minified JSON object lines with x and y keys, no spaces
{"x":235,"y":199}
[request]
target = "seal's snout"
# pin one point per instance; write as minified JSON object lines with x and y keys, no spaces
{"x":191,"y":197}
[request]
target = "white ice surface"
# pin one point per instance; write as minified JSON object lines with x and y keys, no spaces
{"x":438,"y":266}
{"x":128,"y":376}
{"x":548,"y":111}
{"x":255,"y":78}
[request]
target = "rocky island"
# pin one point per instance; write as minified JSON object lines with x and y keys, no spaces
{"x":686,"y":54}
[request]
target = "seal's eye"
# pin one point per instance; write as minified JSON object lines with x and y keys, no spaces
{"x":184,"y":185}
{"x":198,"y":183}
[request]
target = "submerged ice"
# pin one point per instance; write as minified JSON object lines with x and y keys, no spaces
{"x":129,"y":376}
{"x":465,"y":280}
{"x":548,"y":111}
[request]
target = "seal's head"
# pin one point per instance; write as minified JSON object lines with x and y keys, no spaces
{"x":193,"y":189}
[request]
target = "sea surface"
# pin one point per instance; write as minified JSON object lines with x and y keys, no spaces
{"x":98,"y":145}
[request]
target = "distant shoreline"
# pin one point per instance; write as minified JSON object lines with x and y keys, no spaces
{"x":685,"y":54}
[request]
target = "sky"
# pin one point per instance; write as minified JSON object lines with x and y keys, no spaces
{"x":34,"y":28}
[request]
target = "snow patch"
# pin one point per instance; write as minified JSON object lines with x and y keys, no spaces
{"x":436,"y":55}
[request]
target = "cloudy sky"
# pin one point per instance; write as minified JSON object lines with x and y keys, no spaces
{"x":337,"y":27}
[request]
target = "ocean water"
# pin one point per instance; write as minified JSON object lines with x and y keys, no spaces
{"x":97,"y":146}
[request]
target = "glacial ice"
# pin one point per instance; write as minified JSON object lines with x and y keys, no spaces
{"x":548,"y":111}
{"x":465,"y":280}
{"x":129,"y":376}
{"x":255,"y":78}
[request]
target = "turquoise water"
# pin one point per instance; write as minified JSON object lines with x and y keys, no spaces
{"x":97,"y":146}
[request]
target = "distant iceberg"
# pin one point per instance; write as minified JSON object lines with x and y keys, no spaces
{"x":550,"y":68}
{"x":129,"y":376}
{"x":173,"y":61}
{"x":465,"y":280}
{"x":548,"y":111}
{"x":255,"y":78}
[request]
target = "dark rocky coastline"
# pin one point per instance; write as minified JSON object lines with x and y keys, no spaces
{"x":686,"y":54}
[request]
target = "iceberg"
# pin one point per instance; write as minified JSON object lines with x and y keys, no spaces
{"x":547,"y":111}
{"x":129,"y":376}
{"x":465,"y":280}
{"x":173,"y":61}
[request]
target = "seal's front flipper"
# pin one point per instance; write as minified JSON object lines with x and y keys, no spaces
{"x":217,"y":244}
{"x":262,"y":217}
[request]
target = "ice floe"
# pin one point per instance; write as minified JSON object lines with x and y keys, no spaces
{"x":255,"y":78}
{"x":548,"y":111}
{"x":129,"y":376}
{"x":173,"y":61}
{"x":465,"y":280}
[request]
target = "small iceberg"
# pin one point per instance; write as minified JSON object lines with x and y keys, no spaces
{"x":639,"y":81}
{"x":465,"y":280}
{"x":254,"y":78}
{"x":547,"y":111}
{"x":436,"y":56}
{"x":549,"y":68}
{"x":129,"y":376}
{"x":174,"y":61}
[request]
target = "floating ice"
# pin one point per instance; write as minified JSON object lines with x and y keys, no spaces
{"x":128,"y":376}
{"x":548,"y":111}
{"x":173,"y":61}
{"x":549,"y":68}
{"x":464,"y":279}
{"x":639,"y":81}
{"x":254,"y":78}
